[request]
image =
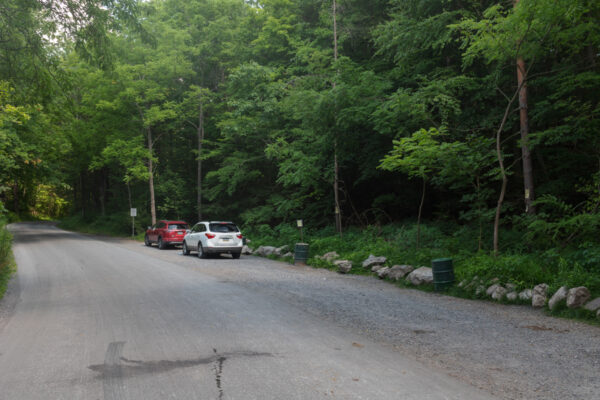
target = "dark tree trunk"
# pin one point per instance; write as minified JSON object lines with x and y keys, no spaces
{"x":526,"y":154}
{"x":529,"y":195}
{"x":336,"y":188}
{"x":200,"y":133}
{"x":420,"y":213}
{"x":151,"y":177}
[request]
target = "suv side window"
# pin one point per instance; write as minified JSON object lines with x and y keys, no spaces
{"x":196,"y":228}
{"x":160,"y":225}
{"x":202,"y":228}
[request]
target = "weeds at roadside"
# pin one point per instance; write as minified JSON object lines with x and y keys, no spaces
{"x":7,"y":263}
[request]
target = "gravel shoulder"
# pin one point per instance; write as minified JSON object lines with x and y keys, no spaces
{"x":513,"y":352}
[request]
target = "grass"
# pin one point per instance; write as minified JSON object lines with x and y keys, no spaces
{"x":7,"y":263}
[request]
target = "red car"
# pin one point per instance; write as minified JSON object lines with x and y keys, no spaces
{"x":166,"y":233}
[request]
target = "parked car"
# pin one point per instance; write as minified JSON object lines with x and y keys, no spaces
{"x":216,"y":237}
{"x":166,"y":233}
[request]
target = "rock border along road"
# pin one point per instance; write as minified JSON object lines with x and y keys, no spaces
{"x":401,"y":341}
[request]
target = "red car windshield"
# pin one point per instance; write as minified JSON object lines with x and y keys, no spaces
{"x":173,"y":227}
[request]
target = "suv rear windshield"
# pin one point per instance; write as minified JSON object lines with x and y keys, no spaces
{"x":223,"y":227}
{"x":173,"y":227}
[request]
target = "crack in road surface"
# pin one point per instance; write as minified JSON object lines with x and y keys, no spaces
{"x":117,"y":368}
{"x":219,"y":372}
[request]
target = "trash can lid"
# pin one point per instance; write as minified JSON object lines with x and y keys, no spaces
{"x":441,"y":260}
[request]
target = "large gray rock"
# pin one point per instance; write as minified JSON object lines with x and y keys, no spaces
{"x":330,"y":256}
{"x":511,"y":287}
{"x":512,"y":296}
{"x":490,"y":290}
{"x":265,"y":251}
{"x":498,"y":292}
{"x":246,"y":250}
{"x":539,"y":297}
{"x":372,"y":260}
{"x":383,"y":272}
{"x":526,"y":294}
{"x":376,"y":267}
{"x":288,"y":254}
{"x":398,"y":272}
{"x":560,"y":295}
{"x":420,"y":276}
{"x":578,"y":296}
{"x":279,"y":251}
{"x":593,"y":305}
{"x":344,"y":266}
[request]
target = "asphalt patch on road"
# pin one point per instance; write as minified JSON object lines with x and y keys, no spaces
{"x":117,"y":368}
{"x":127,"y":368}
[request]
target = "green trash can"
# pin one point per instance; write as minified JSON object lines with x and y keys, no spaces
{"x":443,"y":273}
{"x":300,"y":253}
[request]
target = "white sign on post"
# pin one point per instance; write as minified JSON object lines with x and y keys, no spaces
{"x":134,"y":212}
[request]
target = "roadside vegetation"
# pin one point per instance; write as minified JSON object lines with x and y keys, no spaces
{"x":7,"y":264}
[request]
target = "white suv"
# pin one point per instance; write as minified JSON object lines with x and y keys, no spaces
{"x":213,"y":238}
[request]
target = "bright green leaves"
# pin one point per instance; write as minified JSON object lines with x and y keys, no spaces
{"x":532,"y":30}
{"x":418,"y":155}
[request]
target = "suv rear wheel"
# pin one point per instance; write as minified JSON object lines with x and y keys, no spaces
{"x":201,"y":253}
{"x":161,"y":244}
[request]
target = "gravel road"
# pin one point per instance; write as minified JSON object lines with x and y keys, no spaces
{"x":92,"y":317}
{"x":512,"y":352}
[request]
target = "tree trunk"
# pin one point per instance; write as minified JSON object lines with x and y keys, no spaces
{"x":151,"y":177}
{"x":338,"y":214}
{"x":529,"y":195}
{"x":16,"y":197}
{"x":479,"y":213}
{"x":102,"y":189}
{"x":336,"y":192}
{"x":526,"y":154}
{"x":82,"y":193}
{"x":200,"y":133}
{"x":129,"y":196}
{"x":419,"y":216}
{"x":503,"y":174}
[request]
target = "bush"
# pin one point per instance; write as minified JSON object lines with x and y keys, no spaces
{"x":7,"y":266}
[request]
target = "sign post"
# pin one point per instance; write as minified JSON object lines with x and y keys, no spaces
{"x":300,"y":225}
{"x":133,"y":213}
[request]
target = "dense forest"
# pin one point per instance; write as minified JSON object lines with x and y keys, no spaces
{"x":339,"y":112}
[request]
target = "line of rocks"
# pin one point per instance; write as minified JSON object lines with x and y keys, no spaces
{"x":578,"y":297}
{"x":265,"y":251}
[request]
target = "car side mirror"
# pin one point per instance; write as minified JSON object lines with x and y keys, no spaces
{"x":149,"y":227}
{"x":187,"y":231}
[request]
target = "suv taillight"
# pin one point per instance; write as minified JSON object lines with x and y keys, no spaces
{"x":210,"y":235}
{"x":239,"y":236}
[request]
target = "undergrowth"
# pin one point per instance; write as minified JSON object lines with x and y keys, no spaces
{"x":7,"y":264}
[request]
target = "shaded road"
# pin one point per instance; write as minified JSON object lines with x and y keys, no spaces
{"x":104,"y":319}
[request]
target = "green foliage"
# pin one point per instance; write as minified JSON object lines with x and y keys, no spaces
{"x":559,"y":223}
{"x":7,"y":265}
{"x":112,"y":225}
